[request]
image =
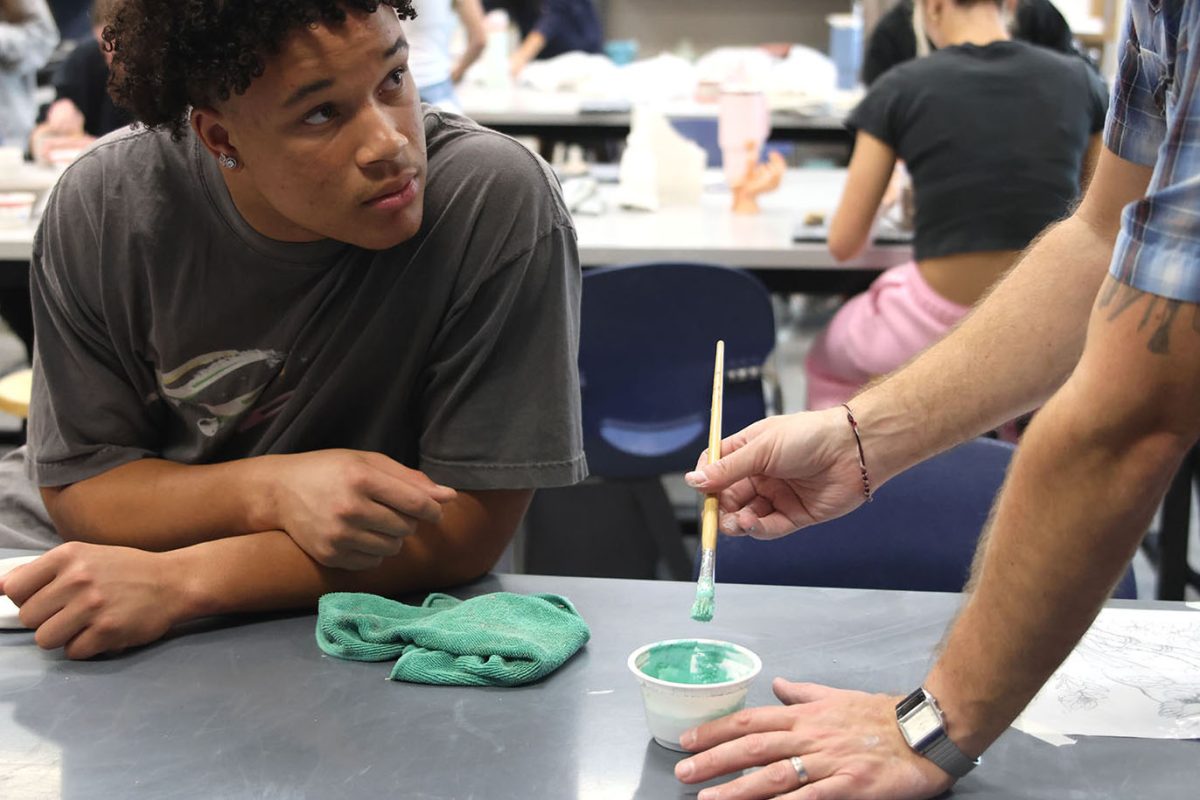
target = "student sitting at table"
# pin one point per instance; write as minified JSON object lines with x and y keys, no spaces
{"x":997,"y":135}
{"x":550,"y":28}
{"x":82,"y":108}
{"x":276,"y":324}
{"x":433,"y":69}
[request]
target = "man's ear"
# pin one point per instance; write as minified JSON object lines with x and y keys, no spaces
{"x":210,"y":127}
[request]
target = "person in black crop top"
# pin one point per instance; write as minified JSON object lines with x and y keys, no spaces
{"x":997,"y":135}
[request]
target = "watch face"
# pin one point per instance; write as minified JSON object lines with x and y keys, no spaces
{"x":922,"y":724}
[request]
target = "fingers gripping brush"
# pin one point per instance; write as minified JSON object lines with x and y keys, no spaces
{"x":702,"y":609}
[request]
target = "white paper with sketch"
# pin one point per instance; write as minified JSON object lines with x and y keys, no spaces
{"x":1136,"y":673}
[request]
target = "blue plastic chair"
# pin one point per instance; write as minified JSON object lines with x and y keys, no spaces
{"x":647,"y":340}
{"x":646,"y":350}
{"x":919,"y":534}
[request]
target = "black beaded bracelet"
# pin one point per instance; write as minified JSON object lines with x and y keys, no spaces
{"x":862,"y":461}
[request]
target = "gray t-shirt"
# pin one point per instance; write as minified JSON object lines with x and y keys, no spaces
{"x":168,"y":328}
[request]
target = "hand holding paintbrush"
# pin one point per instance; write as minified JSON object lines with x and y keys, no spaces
{"x":702,"y":609}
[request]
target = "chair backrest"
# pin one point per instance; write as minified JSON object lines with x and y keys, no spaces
{"x":647,"y":340}
{"x":919,"y":534}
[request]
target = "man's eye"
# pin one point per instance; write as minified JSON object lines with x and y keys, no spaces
{"x":395,"y":79}
{"x":320,"y":115}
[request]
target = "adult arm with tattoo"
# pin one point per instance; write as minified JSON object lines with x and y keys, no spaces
{"x":1082,"y":491}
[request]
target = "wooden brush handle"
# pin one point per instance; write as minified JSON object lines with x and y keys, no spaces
{"x":708,"y":518}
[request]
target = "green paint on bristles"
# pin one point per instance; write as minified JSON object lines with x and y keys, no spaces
{"x":702,"y":609}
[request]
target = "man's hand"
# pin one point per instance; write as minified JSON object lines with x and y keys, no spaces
{"x":784,"y":473}
{"x":534,"y":43}
{"x":93,"y":599}
{"x":62,"y":130}
{"x":64,"y":118}
{"x":516,"y":64}
{"x":48,"y":148}
{"x":351,"y":509}
{"x":849,"y":743}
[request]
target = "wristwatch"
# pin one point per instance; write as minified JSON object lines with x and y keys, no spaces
{"x":921,"y":722}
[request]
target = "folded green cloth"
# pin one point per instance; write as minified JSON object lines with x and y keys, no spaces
{"x":499,"y":639}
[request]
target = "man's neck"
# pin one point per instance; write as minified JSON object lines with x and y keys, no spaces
{"x":261,"y":215}
{"x":980,"y":25}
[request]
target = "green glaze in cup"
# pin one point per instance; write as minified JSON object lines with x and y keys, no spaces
{"x":689,"y":681}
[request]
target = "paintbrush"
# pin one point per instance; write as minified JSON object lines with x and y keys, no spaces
{"x":702,"y":609}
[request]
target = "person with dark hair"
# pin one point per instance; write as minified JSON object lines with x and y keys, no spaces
{"x":291,"y":337}
{"x":550,"y":28}
{"x":893,"y":40}
{"x":992,"y":164}
{"x":83,"y":109}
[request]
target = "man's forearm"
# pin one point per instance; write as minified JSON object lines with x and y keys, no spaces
{"x":1006,"y":358}
{"x":533,"y":44}
{"x":1079,"y":497}
{"x":268,"y":571}
{"x":469,"y":56}
{"x":153,"y":504}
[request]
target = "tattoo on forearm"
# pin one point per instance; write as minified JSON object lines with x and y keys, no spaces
{"x":1146,"y":315}
{"x":1108,"y":291}
{"x":1117,"y":297}
{"x":1160,"y":341}
{"x":1127,"y":298}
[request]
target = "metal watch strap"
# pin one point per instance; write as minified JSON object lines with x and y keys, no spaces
{"x":941,"y":750}
{"x":946,"y":755}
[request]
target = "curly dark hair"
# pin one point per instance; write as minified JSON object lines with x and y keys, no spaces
{"x":170,"y":55}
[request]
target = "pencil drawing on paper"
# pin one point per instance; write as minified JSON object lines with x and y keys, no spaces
{"x":1150,"y":659}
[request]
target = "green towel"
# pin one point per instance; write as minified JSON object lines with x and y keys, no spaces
{"x":499,"y":639}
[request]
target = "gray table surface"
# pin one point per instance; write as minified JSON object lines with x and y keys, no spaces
{"x":253,"y":709}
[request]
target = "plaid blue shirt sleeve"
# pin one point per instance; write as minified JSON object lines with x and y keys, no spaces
{"x":1154,"y":120}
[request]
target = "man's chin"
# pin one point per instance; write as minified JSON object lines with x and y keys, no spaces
{"x":374,"y":235}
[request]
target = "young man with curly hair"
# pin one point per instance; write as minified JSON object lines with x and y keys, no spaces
{"x":276,"y":323}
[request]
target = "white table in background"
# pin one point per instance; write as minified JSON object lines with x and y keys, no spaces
{"x":571,"y":117}
{"x":710,"y":232}
{"x":16,"y":240}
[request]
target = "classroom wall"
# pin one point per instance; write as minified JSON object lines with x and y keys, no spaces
{"x":661,"y":24}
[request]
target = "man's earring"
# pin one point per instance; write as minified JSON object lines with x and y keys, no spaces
{"x":227,"y":161}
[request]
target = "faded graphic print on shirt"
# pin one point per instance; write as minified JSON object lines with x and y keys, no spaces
{"x":211,"y":392}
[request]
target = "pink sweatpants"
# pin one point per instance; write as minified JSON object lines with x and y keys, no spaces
{"x":875,"y":332}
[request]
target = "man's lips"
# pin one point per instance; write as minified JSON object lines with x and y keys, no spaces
{"x":395,"y":195}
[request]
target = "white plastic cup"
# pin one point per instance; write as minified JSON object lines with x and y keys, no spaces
{"x":674,"y":706}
